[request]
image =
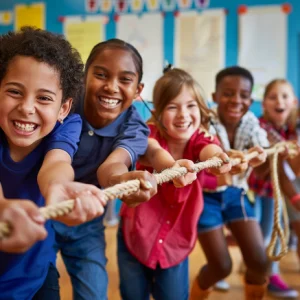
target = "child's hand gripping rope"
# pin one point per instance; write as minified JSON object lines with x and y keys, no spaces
{"x":132,"y":186}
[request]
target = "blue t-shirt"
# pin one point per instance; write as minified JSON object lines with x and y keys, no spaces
{"x":21,"y":275}
{"x":128,"y":131}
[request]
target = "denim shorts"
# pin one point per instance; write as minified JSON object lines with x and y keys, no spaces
{"x":50,"y":287}
{"x":224,"y":207}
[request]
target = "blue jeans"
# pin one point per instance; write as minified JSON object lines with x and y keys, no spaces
{"x":50,"y":287}
{"x":83,"y":252}
{"x":137,"y":281}
{"x":224,"y":207}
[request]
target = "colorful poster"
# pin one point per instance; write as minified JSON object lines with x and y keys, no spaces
{"x":6,"y":17}
{"x":262,"y":44}
{"x":91,"y":5}
{"x":146,"y":34}
{"x":202,"y":51}
{"x":84,"y":34}
{"x":137,"y":5}
{"x":184,"y":3}
{"x":30,"y":15}
{"x":153,"y":4}
{"x":202,"y":3}
{"x":121,"y":6}
{"x":106,"y":6}
{"x":168,"y":5}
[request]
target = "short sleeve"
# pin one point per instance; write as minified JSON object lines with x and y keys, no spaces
{"x":201,"y":139}
{"x":133,"y":136}
{"x":65,"y":136}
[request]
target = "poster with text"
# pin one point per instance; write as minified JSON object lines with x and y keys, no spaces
{"x":262,"y":45}
{"x":146,"y":34}
{"x":200,"y":46}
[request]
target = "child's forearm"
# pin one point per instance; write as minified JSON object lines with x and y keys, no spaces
{"x":109,"y":174}
{"x":56,"y":168}
{"x":210,"y":151}
{"x":157,"y":157}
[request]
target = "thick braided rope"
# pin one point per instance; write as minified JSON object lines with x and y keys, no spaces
{"x":129,"y":187}
{"x":278,"y":234}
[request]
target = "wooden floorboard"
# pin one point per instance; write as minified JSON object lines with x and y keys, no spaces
{"x":289,"y":268}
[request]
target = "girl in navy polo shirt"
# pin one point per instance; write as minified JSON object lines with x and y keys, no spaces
{"x":40,"y":74}
{"x":156,"y":237}
{"x":113,"y":137}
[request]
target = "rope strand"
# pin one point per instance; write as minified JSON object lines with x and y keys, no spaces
{"x":129,"y":187}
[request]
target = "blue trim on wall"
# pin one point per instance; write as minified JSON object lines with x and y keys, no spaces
{"x":56,"y":8}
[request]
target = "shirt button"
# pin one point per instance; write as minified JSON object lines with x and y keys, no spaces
{"x":168,"y":222}
{"x":91,"y":132}
{"x":160,"y":241}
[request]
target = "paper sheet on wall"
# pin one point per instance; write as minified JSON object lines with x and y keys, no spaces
{"x":84,"y":34}
{"x":146,"y":34}
{"x":262,"y":45}
{"x":200,"y":46}
{"x":30,"y":15}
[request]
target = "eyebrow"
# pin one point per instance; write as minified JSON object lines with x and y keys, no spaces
{"x":123,"y":72}
{"x":22,"y":86}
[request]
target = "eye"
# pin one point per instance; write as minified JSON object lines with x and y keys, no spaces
{"x":126,"y":79}
{"x":171,"y":107}
{"x":45,"y":99}
{"x":245,"y":96}
{"x":14,"y":92}
{"x":192,"y":105}
{"x":100,"y":75}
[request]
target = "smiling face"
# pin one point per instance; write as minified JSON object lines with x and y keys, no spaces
{"x":278,"y":103}
{"x":233,"y":96}
{"x":111,"y":86}
{"x":181,"y":116}
{"x":30,"y":103}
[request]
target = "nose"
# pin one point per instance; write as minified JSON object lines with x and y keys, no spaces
{"x":27,"y":106}
{"x":111,"y":86}
{"x":236,"y":98}
{"x":182,"y":112}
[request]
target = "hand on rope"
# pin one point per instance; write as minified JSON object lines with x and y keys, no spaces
{"x":28,"y":225}
{"x":182,"y":181}
{"x":131,"y":186}
{"x":89,"y":201}
{"x":146,"y":190}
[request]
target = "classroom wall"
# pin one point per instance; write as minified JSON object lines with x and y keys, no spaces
{"x":57,"y":8}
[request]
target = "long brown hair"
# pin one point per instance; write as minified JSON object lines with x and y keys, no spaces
{"x":169,"y":87}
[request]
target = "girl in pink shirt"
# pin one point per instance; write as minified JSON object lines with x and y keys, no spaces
{"x":156,"y":237}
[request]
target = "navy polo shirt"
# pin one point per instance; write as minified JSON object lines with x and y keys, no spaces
{"x":128,"y":131}
{"x":22,"y":275}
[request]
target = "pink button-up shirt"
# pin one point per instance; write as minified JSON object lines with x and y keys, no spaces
{"x":164,"y":230}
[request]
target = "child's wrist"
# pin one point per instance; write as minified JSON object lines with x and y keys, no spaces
{"x":295,"y":199}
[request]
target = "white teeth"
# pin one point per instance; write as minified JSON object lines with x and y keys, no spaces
{"x":25,"y":127}
{"x":110,"y":102}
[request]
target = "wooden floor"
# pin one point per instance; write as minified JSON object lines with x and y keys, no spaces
{"x":290,"y":269}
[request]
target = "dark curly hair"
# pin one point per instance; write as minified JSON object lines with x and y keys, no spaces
{"x":46,"y":47}
{"x":117,"y":43}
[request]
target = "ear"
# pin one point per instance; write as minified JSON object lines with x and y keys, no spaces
{"x":65,"y":109}
{"x":139,"y":89}
{"x":213,"y":95}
